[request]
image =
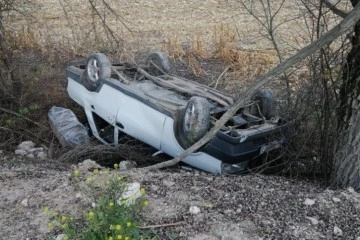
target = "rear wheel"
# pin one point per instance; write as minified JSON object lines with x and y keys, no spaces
{"x":196,"y":119}
{"x":265,"y":104}
{"x":97,"y":67}
{"x":158,"y":63}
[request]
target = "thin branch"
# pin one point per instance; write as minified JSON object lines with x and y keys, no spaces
{"x":335,"y":10}
{"x":163,"y":225}
{"x":20,"y":116}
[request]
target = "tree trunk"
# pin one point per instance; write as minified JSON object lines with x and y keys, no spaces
{"x":347,"y":151}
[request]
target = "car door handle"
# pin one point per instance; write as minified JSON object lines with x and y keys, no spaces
{"x":119,"y":125}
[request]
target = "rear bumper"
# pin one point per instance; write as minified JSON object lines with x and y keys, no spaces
{"x":233,"y":150}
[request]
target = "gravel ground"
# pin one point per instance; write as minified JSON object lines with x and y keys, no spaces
{"x":199,"y":205}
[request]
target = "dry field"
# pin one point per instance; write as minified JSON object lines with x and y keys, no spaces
{"x":154,"y":24}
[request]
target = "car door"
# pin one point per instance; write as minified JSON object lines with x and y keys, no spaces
{"x":140,"y":121}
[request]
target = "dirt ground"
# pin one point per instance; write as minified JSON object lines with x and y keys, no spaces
{"x":231,"y":207}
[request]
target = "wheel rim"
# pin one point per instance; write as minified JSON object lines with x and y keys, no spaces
{"x":93,"y":70}
{"x":188,"y":119}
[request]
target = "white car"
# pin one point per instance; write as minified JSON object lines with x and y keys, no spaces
{"x":171,"y":113}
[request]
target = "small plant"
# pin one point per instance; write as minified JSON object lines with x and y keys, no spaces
{"x":113,"y":217}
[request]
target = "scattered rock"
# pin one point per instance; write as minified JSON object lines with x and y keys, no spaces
{"x":20,"y":152}
{"x":25,"y":202}
{"x":168,"y":183}
{"x":309,"y":202}
{"x":131,"y":193}
{"x":1,"y":152}
{"x":127,"y":165}
{"x":36,"y":150}
{"x":351,"y":190}
{"x":41,"y":155}
{"x":337,"y":231}
{"x":194,"y":210}
{"x":30,"y":155}
{"x":88,"y":165}
{"x":313,"y":221}
{"x":335,"y":199}
{"x":26,"y":145}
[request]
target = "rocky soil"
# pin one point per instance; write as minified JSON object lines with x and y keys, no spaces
{"x":183,"y":204}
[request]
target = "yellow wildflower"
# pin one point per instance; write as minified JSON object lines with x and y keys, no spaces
{"x":63,"y":218}
{"x":119,"y":237}
{"x":127,"y":238}
{"x":76,"y":172}
{"x":46,"y":209}
{"x":55,"y":214}
{"x":91,"y":214}
{"x":116,"y":166}
{"x":50,"y":226}
{"x":64,"y":226}
{"x":146,"y":203}
{"x":112,"y":227}
{"x":123,"y":202}
{"x":119,"y":178}
{"x":142,"y":190}
{"x":110,"y":238}
{"x":111,"y":204}
{"x":118,"y":227}
{"x":96,"y":171}
{"x":128,"y":224}
{"x":88,"y":180}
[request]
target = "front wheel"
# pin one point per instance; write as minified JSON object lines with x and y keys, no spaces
{"x":97,"y":67}
{"x":196,"y":119}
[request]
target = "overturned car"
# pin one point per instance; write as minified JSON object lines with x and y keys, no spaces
{"x":171,"y":113}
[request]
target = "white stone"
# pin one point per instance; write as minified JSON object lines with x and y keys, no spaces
{"x":337,"y":231}
{"x":168,"y":183}
{"x":1,"y":152}
{"x":25,"y":202}
{"x":36,"y":150}
{"x":309,"y":202}
{"x":313,"y":221}
{"x":26,"y":145}
{"x":194,"y":210}
{"x":41,"y":155}
{"x":78,"y":195}
{"x":30,"y":155}
{"x":351,"y":190}
{"x":60,"y":237}
{"x":126,"y":165}
{"x":20,"y":152}
{"x":130,"y":194}
{"x":335,"y":199}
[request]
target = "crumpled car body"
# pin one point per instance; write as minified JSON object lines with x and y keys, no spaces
{"x":170,"y":113}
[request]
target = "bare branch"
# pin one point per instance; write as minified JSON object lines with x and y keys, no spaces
{"x":335,"y":10}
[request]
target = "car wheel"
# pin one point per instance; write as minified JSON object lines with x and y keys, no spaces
{"x":97,"y":67}
{"x":265,"y":103}
{"x":160,"y":60}
{"x":196,"y":119}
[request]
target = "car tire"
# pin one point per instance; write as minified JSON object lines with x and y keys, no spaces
{"x":159,"y":59}
{"x":97,"y":67}
{"x":196,"y":120}
{"x":265,"y":103}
